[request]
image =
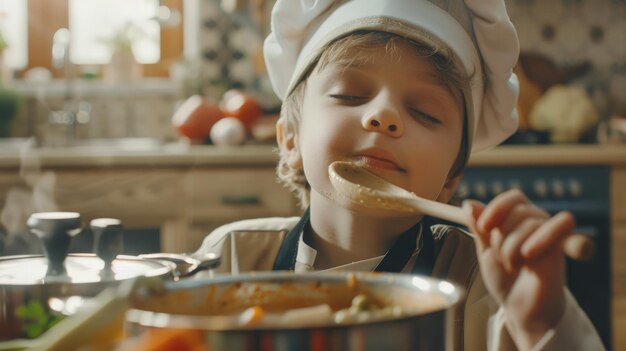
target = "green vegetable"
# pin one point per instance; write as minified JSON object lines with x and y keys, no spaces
{"x":9,"y":106}
{"x":36,"y":319}
{"x":3,"y":42}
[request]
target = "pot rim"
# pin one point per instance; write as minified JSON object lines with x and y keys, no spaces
{"x":161,"y":268}
{"x":453,"y":293}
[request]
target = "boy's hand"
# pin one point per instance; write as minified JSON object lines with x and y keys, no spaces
{"x":522,"y":262}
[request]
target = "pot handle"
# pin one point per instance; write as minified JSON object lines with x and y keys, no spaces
{"x":108,"y":243}
{"x":108,"y":240}
{"x":55,"y":230}
{"x":187,"y":265}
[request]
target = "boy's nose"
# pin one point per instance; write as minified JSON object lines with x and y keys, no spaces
{"x":384,"y":122}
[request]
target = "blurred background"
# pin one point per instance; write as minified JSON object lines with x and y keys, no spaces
{"x":130,"y":62}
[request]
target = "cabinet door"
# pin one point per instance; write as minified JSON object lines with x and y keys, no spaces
{"x":141,"y":198}
{"x":220,"y":196}
{"x":225,"y":195}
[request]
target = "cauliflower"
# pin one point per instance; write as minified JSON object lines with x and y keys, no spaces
{"x":566,"y":111}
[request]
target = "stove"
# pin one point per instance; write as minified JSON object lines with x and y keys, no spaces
{"x":582,"y":190}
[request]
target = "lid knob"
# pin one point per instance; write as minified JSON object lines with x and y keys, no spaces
{"x":55,"y":230}
{"x":107,"y":240}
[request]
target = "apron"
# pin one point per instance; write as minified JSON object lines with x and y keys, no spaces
{"x":394,"y":260}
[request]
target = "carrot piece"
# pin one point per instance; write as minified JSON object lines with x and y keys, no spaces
{"x":171,"y":340}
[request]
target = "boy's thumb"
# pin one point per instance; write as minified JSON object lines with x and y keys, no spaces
{"x":474,"y":209}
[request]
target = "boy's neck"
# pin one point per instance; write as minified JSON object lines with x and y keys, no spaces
{"x":341,"y":236}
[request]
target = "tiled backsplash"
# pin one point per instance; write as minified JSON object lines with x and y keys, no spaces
{"x":571,"y":32}
{"x":231,"y":47}
{"x":568,"y":32}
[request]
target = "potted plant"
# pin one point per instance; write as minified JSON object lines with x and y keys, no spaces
{"x":3,"y":43}
{"x":5,"y":70}
{"x":123,"y":65}
{"x":9,"y":106}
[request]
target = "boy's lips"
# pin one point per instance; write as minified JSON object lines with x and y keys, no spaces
{"x":377,"y":158}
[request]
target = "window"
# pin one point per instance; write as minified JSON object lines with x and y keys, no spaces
{"x":13,"y":27}
{"x":155,"y":26}
{"x":98,"y":25}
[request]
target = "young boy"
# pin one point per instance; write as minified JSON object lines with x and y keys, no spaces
{"x":408,"y":89}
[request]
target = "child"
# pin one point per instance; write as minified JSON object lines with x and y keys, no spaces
{"x":408,"y":89}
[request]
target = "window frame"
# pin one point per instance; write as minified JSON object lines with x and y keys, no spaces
{"x":46,"y":16}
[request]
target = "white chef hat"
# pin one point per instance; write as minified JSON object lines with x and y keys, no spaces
{"x":476,"y":35}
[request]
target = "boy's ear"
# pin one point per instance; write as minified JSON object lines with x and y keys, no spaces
{"x":449,"y":188}
{"x":288,"y":144}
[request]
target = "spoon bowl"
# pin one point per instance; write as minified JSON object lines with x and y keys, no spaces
{"x":367,"y":189}
{"x":364,"y":187}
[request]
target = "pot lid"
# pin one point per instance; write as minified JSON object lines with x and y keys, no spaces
{"x":79,"y":269}
{"x":55,"y":231}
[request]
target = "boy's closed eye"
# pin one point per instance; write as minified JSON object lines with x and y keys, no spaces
{"x":349,"y":99}
{"x":354,"y":100}
{"x":424,"y":117}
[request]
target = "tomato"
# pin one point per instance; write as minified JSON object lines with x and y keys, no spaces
{"x":236,"y":103}
{"x":195,"y":117}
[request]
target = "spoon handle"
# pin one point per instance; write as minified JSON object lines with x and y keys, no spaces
{"x":440,"y":210}
{"x":578,"y":247}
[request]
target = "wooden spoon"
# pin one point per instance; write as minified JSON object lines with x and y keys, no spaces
{"x":364,"y":187}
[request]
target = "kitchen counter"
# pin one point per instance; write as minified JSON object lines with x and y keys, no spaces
{"x":167,"y":155}
{"x":553,"y":155}
{"x":262,"y":155}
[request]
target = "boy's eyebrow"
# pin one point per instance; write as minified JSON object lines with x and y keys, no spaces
{"x":452,"y":89}
{"x":438,"y":80}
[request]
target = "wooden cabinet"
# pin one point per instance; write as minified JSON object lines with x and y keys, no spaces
{"x":223,"y":195}
{"x":185,"y":203}
{"x":138,"y":197}
{"x":228,"y":194}
{"x":618,"y":254}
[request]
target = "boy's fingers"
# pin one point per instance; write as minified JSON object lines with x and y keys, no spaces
{"x":511,"y":247}
{"x":496,"y":238}
{"x":550,"y":235}
{"x":499,"y":208}
{"x":520,"y":213}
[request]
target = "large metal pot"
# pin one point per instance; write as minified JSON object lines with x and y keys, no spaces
{"x":37,"y":291}
{"x":213,"y":309}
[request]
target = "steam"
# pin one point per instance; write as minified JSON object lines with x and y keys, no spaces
{"x":35,"y":195}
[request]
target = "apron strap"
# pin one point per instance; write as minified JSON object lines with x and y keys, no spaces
{"x":426,"y":259}
{"x":286,"y":256}
{"x":400,"y":252}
